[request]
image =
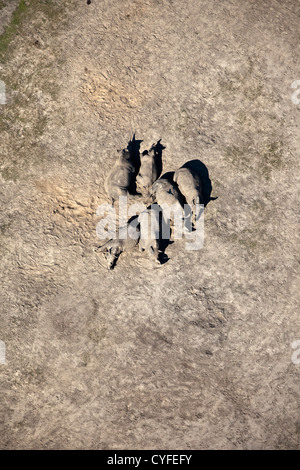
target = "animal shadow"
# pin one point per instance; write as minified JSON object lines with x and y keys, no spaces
{"x":164,"y":241}
{"x":158,"y":149}
{"x":169,"y":175}
{"x":134,"y":150}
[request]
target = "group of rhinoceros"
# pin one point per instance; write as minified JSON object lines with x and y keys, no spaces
{"x":139,"y":175}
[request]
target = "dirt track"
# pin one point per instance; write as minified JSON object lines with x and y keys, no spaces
{"x":196,"y":354}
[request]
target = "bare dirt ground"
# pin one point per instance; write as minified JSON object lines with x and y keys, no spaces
{"x":196,"y":354}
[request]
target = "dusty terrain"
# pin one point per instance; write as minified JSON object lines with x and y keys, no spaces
{"x":196,"y":354}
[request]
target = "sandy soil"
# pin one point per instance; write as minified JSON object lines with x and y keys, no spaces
{"x":196,"y":354}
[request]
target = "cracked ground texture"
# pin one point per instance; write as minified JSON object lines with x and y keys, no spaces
{"x":196,"y":354}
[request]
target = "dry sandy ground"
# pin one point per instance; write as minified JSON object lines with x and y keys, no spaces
{"x":196,"y":354}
